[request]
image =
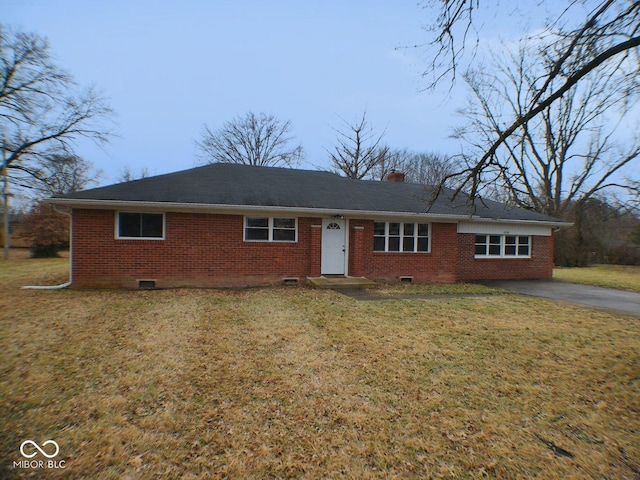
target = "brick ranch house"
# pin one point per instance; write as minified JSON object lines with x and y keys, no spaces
{"x":234,"y":225}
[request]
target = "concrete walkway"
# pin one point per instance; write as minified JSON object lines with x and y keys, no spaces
{"x":619,"y":301}
{"x":340,"y":282}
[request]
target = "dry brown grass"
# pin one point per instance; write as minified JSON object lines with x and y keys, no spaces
{"x":298,"y":383}
{"x":622,"y":277}
{"x":404,"y":289}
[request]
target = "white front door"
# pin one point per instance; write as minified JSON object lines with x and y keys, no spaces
{"x":333,"y":246}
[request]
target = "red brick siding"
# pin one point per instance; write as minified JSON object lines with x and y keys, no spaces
{"x":315,"y":251}
{"x":357,"y":248}
{"x":208,"y":250}
{"x":198,"y":250}
{"x":540,"y":265}
{"x":435,"y":266}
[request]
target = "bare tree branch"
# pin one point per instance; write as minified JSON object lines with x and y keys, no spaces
{"x":260,"y":140}
{"x":42,"y":116}
{"x":568,"y":84}
{"x":564,"y":156}
{"x":358,"y":148}
{"x":605,"y":43}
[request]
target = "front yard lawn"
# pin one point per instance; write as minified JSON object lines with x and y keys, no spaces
{"x":404,"y":289}
{"x":300,"y":383}
{"x":622,"y":277}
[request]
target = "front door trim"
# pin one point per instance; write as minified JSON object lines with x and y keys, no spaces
{"x":328,"y":266}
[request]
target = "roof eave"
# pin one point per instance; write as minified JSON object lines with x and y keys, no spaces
{"x":298,"y":211}
{"x":546,"y":223}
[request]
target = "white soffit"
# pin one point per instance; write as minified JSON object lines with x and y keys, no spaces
{"x":501,"y":228}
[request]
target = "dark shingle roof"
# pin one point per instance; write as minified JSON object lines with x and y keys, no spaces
{"x":241,"y":185}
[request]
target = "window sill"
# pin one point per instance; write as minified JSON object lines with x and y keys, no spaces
{"x":140,"y":238}
{"x":395,"y":253}
{"x":502,"y":257}
{"x":270,"y":241}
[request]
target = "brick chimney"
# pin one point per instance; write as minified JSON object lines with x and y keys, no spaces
{"x":395,"y":176}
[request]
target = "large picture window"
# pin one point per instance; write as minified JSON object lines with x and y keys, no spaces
{"x":140,"y":225}
{"x":270,"y":229}
{"x":400,"y":237}
{"x":503,"y":246}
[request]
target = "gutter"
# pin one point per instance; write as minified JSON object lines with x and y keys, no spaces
{"x":66,"y":284}
{"x":302,"y":211}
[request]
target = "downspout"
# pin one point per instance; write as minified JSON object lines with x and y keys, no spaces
{"x":67,"y":284}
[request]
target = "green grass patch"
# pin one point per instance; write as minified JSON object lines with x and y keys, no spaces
{"x":17,"y":272}
{"x":621,"y":277}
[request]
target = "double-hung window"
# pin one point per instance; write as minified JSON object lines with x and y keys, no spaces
{"x":270,"y":229}
{"x":503,"y":246}
{"x":400,"y":237}
{"x":140,"y":225}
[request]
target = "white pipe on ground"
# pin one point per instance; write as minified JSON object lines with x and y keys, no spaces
{"x":46,"y":287}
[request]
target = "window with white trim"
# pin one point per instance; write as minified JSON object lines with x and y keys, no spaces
{"x":270,"y":229}
{"x":139,"y":225}
{"x":509,"y":246}
{"x":400,"y":237}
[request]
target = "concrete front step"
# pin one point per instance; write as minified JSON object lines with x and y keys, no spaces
{"x":340,"y":282}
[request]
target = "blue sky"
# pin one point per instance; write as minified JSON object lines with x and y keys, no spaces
{"x":169,"y":67}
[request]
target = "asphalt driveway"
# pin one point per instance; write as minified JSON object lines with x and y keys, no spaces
{"x":606,"y":298}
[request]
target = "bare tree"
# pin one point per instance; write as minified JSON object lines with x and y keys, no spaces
{"x":127,"y":175}
{"x":261,"y":140}
{"x":42,"y":114}
{"x":604,"y":43}
{"x":60,"y":174}
{"x":358,"y":150}
{"x":566,"y":161}
{"x":427,"y":168}
{"x":389,"y":160}
{"x":430,"y":168}
{"x":567,"y":154}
